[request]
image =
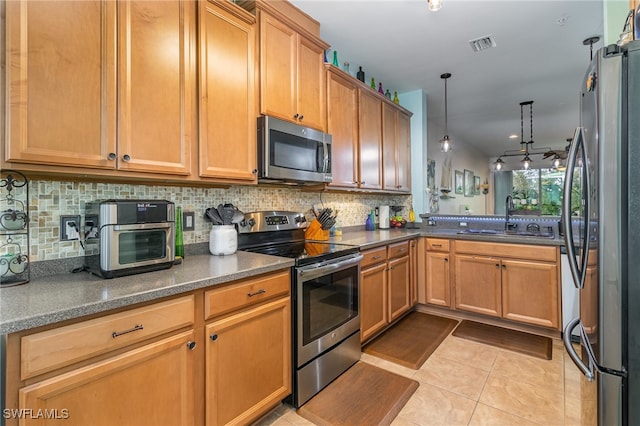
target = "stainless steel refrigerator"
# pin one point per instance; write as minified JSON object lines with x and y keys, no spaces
{"x":601,"y":214}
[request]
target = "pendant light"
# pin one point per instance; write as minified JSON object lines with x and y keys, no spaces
{"x":499,"y":164}
{"x":434,"y":5}
{"x":445,"y":142}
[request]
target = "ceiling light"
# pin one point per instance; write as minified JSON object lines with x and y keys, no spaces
{"x":526,"y":161}
{"x":556,"y":161}
{"x":445,"y":142}
{"x":434,"y":5}
{"x":482,"y":43}
{"x":513,"y":136}
{"x":499,"y":164}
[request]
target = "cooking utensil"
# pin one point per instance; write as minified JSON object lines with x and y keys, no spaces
{"x":212,"y":214}
{"x":238,"y":216}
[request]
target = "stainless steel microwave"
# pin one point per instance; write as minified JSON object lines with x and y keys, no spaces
{"x":125,"y":237}
{"x":289,"y":152}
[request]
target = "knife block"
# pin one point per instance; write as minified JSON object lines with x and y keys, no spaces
{"x":315,"y":232}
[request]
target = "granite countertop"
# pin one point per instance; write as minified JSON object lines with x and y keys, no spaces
{"x":65,"y":296}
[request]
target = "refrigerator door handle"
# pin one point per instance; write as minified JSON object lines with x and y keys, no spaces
{"x":587,"y":370}
{"x":576,"y":271}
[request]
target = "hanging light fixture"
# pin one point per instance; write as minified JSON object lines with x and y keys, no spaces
{"x":445,"y":142}
{"x":556,"y":161}
{"x":434,"y":5}
{"x":524,"y":145}
{"x":499,"y":164}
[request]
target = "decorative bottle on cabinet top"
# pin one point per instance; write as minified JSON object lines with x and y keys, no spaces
{"x":360,"y":74}
{"x":179,"y":250}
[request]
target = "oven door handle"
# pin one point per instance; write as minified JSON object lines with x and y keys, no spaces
{"x":311,"y":272}
{"x":139,"y":226}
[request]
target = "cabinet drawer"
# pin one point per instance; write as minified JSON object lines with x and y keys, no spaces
{"x":437,"y":244}
{"x":399,"y":249}
{"x":518,"y":251}
{"x":373,"y":256}
{"x":236,"y":296}
{"x":51,"y":349}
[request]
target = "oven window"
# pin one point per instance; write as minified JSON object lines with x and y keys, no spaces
{"x":139,"y":246}
{"x":293,"y":152}
{"x":328,"y":302}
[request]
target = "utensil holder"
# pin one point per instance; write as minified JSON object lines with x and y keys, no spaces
{"x":315,"y":232}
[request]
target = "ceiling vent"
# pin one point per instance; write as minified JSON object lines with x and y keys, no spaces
{"x":482,"y":43}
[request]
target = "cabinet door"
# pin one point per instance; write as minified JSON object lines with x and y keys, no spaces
{"x":399,"y":287}
{"x":403,"y":156}
{"x":530,"y":292}
{"x":438,"y":289}
{"x":61,"y":82}
{"x":150,"y":385}
{"x":156,"y":81}
{"x":370,"y":140}
{"x":248,"y":363}
{"x":342,"y":124}
{"x":278,"y":63}
{"x":311,"y":102}
{"x":373,"y":300}
{"x":227,"y":93}
{"x":477,"y":284}
{"x":389,"y":147}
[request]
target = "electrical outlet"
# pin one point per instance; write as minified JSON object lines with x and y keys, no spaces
{"x":188,"y":221}
{"x":69,"y":227}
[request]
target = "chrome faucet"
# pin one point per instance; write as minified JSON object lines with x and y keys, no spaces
{"x":509,"y":206}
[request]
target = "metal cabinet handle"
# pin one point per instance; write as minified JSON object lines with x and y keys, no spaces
{"x":402,"y":249}
{"x":301,"y":117}
{"x":112,"y":156}
{"x":126,"y":157}
{"x":363,"y":182}
{"x":446,"y":259}
{"x":255,"y":293}
{"x":497,"y":265}
{"x":191,"y":345}
{"x":296,"y":116}
{"x":214,"y":337}
{"x":436,"y":245}
{"x":254,"y":171}
{"x":120,"y":333}
{"x":504,"y":266}
{"x":376,"y":257}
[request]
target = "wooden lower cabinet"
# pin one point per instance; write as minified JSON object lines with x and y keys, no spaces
{"x":373,"y":300}
{"x":399,"y":287}
{"x":438,"y":287}
{"x":248,"y":363}
{"x":530,"y":292}
{"x":510,"y":281}
{"x":385,"y":287}
{"x":151,"y":385}
{"x":478,"y":285}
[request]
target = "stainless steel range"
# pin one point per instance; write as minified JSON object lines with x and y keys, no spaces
{"x":325,"y":297}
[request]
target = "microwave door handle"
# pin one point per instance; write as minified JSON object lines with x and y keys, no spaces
{"x":143,"y":226}
{"x":578,"y":279}
{"x":325,"y":146}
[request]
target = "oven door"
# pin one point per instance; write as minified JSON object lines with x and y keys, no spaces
{"x":327,"y":308}
{"x":130,"y":246}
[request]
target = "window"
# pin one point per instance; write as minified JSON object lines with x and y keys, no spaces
{"x":534,"y":191}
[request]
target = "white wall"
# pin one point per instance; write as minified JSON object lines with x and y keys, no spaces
{"x":416,"y":102}
{"x":464,"y":156}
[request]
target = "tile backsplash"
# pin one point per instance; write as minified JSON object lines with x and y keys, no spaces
{"x":51,"y":199}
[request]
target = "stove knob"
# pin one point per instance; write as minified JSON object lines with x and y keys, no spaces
{"x":252,"y":222}
{"x":300,"y":219}
{"x":243,"y":223}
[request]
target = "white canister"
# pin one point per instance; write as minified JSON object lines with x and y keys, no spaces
{"x":383,"y":217}
{"x":223,"y":240}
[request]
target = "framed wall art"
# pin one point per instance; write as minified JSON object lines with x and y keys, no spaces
{"x":469,"y":183}
{"x":476,"y":186}
{"x":459,"y":182}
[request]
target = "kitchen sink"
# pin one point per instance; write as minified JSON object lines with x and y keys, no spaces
{"x":501,"y":233}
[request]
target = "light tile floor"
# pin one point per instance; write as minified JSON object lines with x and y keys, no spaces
{"x":468,"y":383}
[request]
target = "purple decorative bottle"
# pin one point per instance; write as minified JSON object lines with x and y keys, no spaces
{"x":380,"y":90}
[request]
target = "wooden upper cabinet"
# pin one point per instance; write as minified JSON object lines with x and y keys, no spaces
{"x":156,"y":78}
{"x":342,"y":124}
{"x":292,"y":85}
{"x":396,"y":142}
{"x":227,"y":148}
{"x":370,"y":140}
{"x":101,"y":84}
{"x":61,"y":79}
